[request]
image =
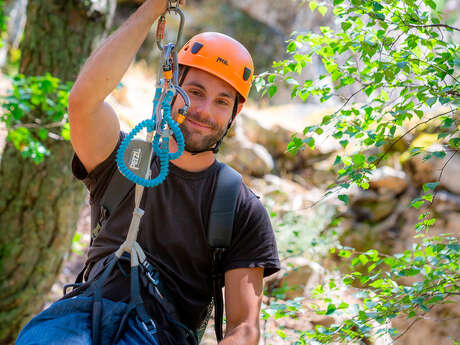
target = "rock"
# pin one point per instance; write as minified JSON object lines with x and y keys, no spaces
{"x":276,"y":140}
{"x":271,"y":12}
{"x":298,"y":277}
{"x":282,"y":193}
{"x":450,"y":172}
{"x":423,"y":171}
{"x":388,"y":179}
{"x":372,"y":207}
{"x":440,"y":326}
{"x":246,"y":157}
{"x":453,"y":223}
{"x":446,"y":202}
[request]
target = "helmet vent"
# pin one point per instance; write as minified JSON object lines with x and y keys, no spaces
{"x":196,"y":47}
{"x":247,"y":73}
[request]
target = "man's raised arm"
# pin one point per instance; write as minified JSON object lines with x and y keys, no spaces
{"x":94,"y":126}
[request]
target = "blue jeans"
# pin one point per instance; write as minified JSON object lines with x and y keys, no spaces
{"x":68,"y":322}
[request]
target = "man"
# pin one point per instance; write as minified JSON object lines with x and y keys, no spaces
{"x":216,"y":73}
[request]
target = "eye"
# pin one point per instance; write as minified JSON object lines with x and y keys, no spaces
{"x":223,"y":102}
{"x":194,"y":92}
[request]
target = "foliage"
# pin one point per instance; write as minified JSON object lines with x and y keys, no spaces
{"x":3,"y":20}
{"x":435,"y":265}
{"x":394,"y":65}
{"x":29,"y":97}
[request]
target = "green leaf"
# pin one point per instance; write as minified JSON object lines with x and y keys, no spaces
{"x":346,"y":25}
{"x":43,"y":133}
{"x":363,"y":259}
{"x":430,"y":186}
{"x":344,"y":198}
{"x":439,"y":154}
{"x":65,"y":132}
{"x":281,"y":333}
{"x":272,"y":90}
{"x":376,"y":6}
{"x":455,"y":142}
{"x":430,"y":101}
{"x":292,"y":47}
{"x":313,"y":5}
{"x":428,"y":197}
{"x":417,"y":203}
{"x":431,"y":3}
{"x":322,"y":10}
{"x":359,"y":159}
{"x":344,"y":253}
{"x":310,"y":142}
{"x":331,"y":308}
{"x":343,"y":143}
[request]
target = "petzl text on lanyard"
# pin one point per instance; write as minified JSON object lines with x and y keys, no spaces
{"x":134,"y":156}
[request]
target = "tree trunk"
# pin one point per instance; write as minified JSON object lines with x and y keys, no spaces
{"x":40,"y":204}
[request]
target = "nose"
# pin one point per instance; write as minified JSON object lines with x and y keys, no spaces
{"x":202,"y":108}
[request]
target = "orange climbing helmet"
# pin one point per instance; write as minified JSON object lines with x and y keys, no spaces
{"x":221,"y":56}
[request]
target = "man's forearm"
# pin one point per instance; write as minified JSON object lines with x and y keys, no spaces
{"x":242,"y":334}
{"x":106,"y":66}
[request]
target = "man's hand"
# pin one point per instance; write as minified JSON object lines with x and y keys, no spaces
{"x":243,"y":297}
{"x":163,"y":4}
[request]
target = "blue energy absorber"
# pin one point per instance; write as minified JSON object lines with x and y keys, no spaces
{"x":160,"y":143}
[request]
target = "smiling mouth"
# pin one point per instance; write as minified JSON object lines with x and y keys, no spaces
{"x":198,"y":124}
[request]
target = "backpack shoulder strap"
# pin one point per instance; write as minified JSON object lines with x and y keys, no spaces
{"x":220,"y":234}
{"x":223,"y":208}
{"x":116,"y":190}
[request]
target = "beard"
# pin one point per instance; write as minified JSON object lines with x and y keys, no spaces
{"x":195,"y":141}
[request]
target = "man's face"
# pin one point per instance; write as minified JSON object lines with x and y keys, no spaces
{"x":212,"y":101}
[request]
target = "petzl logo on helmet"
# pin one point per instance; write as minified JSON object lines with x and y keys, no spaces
{"x":222,"y":60}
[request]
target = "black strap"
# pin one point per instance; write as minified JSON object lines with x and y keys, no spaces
{"x":220,"y":234}
{"x":223,"y":208}
{"x":117,"y":189}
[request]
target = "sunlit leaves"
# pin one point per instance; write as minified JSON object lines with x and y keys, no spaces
{"x":3,"y":21}
{"x":35,"y":112}
{"x":393,"y":70}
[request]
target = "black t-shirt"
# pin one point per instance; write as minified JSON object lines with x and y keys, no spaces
{"x":173,"y":233}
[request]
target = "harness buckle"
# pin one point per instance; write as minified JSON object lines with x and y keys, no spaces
{"x":150,"y":326}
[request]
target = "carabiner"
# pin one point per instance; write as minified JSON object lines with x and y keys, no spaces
{"x":162,"y":24}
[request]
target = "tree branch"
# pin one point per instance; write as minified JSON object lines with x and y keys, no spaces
{"x":432,"y":26}
{"x":407,"y":132}
{"x":406,"y":330}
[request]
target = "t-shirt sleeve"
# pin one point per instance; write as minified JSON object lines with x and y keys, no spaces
{"x":98,"y":179}
{"x":253,"y":240}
